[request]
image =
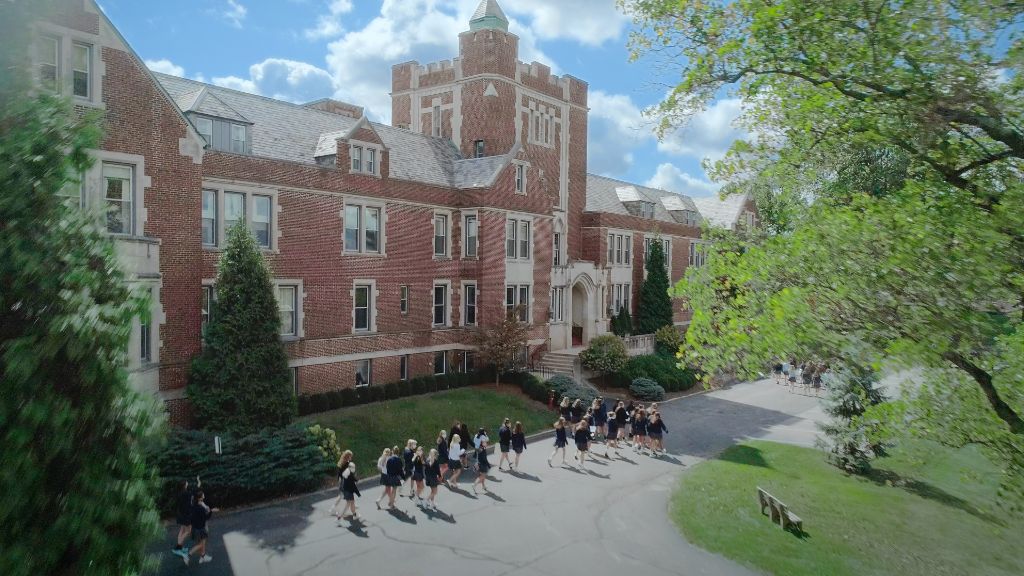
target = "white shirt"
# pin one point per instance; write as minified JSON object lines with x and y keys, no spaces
{"x":478,"y":439}
{"x":455,"y":452}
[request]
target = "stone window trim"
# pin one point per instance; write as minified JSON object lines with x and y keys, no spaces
{"x":364,"y":203}
{"x":403,"y":367}
{"x":374,"y":295}
{"x":403,"y":299}
{"x":519,"y":219}
{"x":447,"y":284}
{"x":448,"y":234}
{"x":516,"y":292}
{"x":66,"y":39}
{"x":542,"y":124}
{"x":617,"y":248}
{"x":520,"y":175}
{"x":466,"y":215}
{"x":94,"y":189}
{"x":556,"y":307}
{"x":249,"y":191}
{"x":358,"y":366}
{"x":300,"y":316}
{"x":464,"y":303}
{"x":156,"y":319}
{"x":369,"y":163}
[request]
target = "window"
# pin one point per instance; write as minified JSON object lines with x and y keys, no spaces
{"x":403,"y":367}
{"x":440,"y":305}
{"x":371,"y":160}
{"x":294,"y":372}
{"x":440,"y":363}
{"x":478,"y":149}
{"x":510,"y":299}
{"x":666,"y":248}
{"x":627,"y":297}
{"x":205,"y":128}
{"x":357,"y":158}
{"x":557,"y":311}
{"x":524,"y":239}
{"x":287,"y":307}
{"x":210,"y":217}
{"x":435,"y":121}
{"x":440,"y":235}
{"x":647,"y":249}
{"x":520,"y":179}
{"x":261,"y":220}
{"x":362,"y":228}
{"x":207,"y":308}
{"x":362,"y":308}
{"x":618,"y":299}
{"x":469,"y":302}
{"x":403,"y":299}
{"x":697,"y":255}
{"x":647,"y":210}
{"x":618,"y":248}
{"x":524,"y":303}
{"x":234,"y":209}
{"x":518,"y":296}
{"x":471,"y":236}
{"x":81,"y":60}
{"x":238,"y":138}
{"x":363,"y":372}
{"x":468,"y":362}
{"x":510,"y":238}
{"x":611,"y":249}
{"x":145,"y":342}
{"x":556,"y":259}
{"x":49,"y":63}
{"x":118,"y":180}
{"x":628,"y":250}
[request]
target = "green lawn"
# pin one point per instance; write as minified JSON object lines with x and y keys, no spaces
{"x":368,"y":429}
{"x":926,"y":510}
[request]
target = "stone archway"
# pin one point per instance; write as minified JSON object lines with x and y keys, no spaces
{"x":583,"y":311}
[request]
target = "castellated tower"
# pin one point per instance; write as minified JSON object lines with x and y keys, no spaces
{"x":487,"y":103}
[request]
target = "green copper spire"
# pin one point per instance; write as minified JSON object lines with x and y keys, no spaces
{"x":488,"y":16}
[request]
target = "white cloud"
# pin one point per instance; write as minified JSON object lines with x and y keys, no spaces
{"x":585,"y":21}
{"x":165,"y":66}
{"x":284,"y":80}
{"x":668,"y":177}
{"x":709,"y":133}
{"x":235,"y":13}
{"x":329,"y":25}
{"x":616,"y":127}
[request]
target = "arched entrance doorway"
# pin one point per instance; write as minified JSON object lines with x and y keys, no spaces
{"x":583,"y":310}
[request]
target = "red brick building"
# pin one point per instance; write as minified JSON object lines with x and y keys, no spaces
{"x":388,"y":244}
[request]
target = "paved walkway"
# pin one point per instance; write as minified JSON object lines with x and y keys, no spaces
{"x":609,"y":519}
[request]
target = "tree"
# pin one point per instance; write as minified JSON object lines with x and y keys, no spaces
{"x":889,"y":137}
{"x":241,"y":381}
{"x":77,"y":492}
{"x":502,"y":344}
{"x":622,"y":323}
{"x":605,"y":354}
{"x":655,"y":302}
{"x":851,"y":439}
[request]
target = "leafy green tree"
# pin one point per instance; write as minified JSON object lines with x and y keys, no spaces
{"x":888,"y":148}
{"x":502,"y":344}
{"x":241,"y":381}
{"x":605,"y":354}
{"x":77,"y":492}
{"x":655,"y":302}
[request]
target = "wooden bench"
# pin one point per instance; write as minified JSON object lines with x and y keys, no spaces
{"x":779,"y":512}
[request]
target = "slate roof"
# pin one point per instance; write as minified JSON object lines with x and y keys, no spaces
{"x":721,"y":212}
{"x":608,"y":194}
{"x":478,"y":172}
{"x":488,"y":8}
{"x":285,"y":131}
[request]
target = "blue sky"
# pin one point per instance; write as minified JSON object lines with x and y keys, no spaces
{"x":301,"y":50}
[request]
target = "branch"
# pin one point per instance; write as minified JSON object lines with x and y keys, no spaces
{"x":984,"y":380}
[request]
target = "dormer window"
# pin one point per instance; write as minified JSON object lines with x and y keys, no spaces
{"x":223,"y":135}
{"x":647,"y":209}
{"x":205,"y":128}
{"x":478,"y":149}
{"x":357,"y":158}
{"x":364,"y":159}
{"x":238,"y":138}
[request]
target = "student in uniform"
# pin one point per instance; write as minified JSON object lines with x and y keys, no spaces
{"x":560,"y":440}
{"x":393,"y":470}
{"x":505,"y":443}
{"x":418,"y":464}
{"x":186,"y":498}
{"x":382,"y":468}
{"x":655,"y":429}
{"x":600,"y":416}
{"x":518,"y":443}
{"x":200,"y":535}
{"x":639,"y":430}
{"x":794,"y":374}
{"x":621,"y":416}
{"x":482,"y":465}
{"x":582,"y":439}
{"x":455,"y":455}
{"x":466,"y":437}
{"x":576,"y":412}
{"x":442,"y":452}
{"x":433,"y":474}
{"x":565,"y":409}
{"x":612,"y":439}
{"x":407,"y":455}
{"x":343,"y":462}
{"x":349,"y":491}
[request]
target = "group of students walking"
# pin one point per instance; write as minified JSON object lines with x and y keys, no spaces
{"x":646,"y":428}
{"x":192,"y":515}
{"x":807,"y":375}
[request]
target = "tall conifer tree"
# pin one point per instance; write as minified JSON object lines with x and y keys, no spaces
{"x":655,"y":304}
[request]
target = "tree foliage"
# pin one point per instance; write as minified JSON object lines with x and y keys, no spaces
{"x":501,"y":344}
{"x":655,"y":309}
{"x":77,"y":493}
{"x":605,"y":354}
{"x":621,"y":324}
{"x":241,"y":382}
{"x":852,"y":439}
{"x":886,"y":159}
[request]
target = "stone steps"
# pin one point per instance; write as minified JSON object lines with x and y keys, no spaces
{"x":559,"y":363}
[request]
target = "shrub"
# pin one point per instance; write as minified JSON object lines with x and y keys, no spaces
{"x":376,"y":393}
{"x":647,"y":389}
{"x":306,"y":405}
{"x":622,"y":323}
{"x":327,"y":441}
{"x":335,"y":399}
{"x":658,"y":367}
{"x":605,"y":354}
{"x":667,"y":340}
{"x":264,"y":465}
{"x":320,"y":403}
{"x":349,"y":397}
{"x":565,"y":386}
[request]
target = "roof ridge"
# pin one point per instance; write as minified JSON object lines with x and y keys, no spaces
{"x":640,"y":185}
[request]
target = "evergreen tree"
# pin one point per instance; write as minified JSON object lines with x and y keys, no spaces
{"x":655,"y":303}
{"x":850,"y":435}
{"x":77,"y":493}
{"x":241,"y":382}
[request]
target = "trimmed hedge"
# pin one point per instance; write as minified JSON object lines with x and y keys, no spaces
{"x":565,"y":386}
{"x":658,"y":367}
{"x":315,"y":403}
{"x":647,"y":389}
{"x":251,"y":468}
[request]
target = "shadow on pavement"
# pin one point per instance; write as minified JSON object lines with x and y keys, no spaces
{"x":431,"y":514}
{"x":494,"y":496}
{"x":402,"y":515}
{"x":525,"y":476}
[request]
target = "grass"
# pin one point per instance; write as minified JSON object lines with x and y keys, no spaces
{"x":926,"y":510}
{"x":366,"y":430}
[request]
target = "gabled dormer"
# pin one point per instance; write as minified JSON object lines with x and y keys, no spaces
{"x":223,"y":127}
{"x":634,"y":202}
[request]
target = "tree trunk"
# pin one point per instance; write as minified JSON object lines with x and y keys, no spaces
{"x":984,"y":380}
